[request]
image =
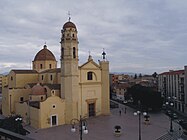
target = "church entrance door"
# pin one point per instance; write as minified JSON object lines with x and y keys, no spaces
{"x":91,"y":107}
{"x":54,"y":120}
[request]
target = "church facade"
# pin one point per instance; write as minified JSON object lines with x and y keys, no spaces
{"x":48,"y":96}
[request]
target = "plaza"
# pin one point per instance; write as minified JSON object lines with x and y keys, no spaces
{"x":102,"y":127}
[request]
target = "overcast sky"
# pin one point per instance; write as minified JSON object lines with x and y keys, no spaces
{"x":140,"y":36}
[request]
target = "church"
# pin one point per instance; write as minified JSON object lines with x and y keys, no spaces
{"x":48,"y":96}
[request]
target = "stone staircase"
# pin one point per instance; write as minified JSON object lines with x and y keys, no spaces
{"x":175,"y":135}
{"x":169,"y":136}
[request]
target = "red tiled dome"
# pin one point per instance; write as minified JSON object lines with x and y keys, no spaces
{"x":69,"y":24}
{"x":45,"y":54}
{"x":38,"y":90}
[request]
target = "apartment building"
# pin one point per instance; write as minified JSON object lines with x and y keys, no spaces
{"x":172,"y":85}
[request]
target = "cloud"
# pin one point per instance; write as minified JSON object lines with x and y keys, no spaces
{"x":138,"y":36}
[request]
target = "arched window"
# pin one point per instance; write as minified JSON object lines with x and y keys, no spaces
{"x":74,"y":52}
{"x":62,"y":52}
{"x":90,"y":76}
{"x":50,"y":66}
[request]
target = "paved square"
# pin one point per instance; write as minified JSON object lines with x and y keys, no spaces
{"x":102,"y":128}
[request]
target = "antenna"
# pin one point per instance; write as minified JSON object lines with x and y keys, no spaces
{"x":69,"y":14}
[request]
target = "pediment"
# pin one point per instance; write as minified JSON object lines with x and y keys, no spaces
{"x":90,"y":65}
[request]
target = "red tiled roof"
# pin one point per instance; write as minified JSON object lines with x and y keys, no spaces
{"x":177,"y":72}
{"x":44,"y":54}
{"x":69,"y":24}
{"x":25,"y":71}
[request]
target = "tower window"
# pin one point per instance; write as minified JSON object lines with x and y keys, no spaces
{"x":74,"y":52}
{"x":73,"y":35}
{"x":51,"y":77}
{"x":41,"y":66}
{"x":21,"y":99}
{"x":42,"y":77}
{"x":11,"y":78}
{"x":90,"y":76}
{"x":50,"y":66}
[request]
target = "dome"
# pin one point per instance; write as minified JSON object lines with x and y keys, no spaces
{"x":69,"y":24}
{"x":38,"y":90}
{"x":44,"y":54}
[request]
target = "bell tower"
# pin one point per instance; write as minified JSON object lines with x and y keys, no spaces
{"x":69,"y":70}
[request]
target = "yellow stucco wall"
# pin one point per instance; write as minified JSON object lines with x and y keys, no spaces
{"x":20,"y":80}
{"x":45,"y":65}
{"x":88,"y":94}
{"x":90,"y":90}
{"x":47,"y":78}
{"x":11,"y":97}
{"x":52,"y":106}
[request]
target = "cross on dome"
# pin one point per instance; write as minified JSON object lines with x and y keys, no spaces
{"x":69,"y":14}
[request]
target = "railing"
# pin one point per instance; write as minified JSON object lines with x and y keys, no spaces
{"x":8,"y":135}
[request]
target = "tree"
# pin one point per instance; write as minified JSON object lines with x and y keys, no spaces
{"x":154,"y":74}
{"x":11,"y":124}
{"x":135,"y":76}
{"x":140,"y":75}
{"x":148,"y":97}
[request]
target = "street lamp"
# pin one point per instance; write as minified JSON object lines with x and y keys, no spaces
{"x":18,"y":121}
{"x":171,"y":115}
{"x":82,"y":123}
{"x":138,"y":112}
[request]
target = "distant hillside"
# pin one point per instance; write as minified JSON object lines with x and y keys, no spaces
{"x":4,"y":73}
{"x":126,"y":73}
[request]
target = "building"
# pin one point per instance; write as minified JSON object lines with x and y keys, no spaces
{"x":120,"y":90}
{"x":173,"y":84}
{"x":48,"y":96}
{"x":1,"y":76}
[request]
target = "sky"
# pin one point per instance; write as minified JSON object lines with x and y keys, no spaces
{"x":139,"y":36}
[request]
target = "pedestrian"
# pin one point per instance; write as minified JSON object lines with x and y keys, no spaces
{"x":120,"y":112}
